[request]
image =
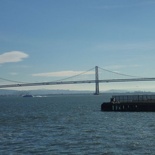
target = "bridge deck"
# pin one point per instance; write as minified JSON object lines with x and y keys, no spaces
{"x":76,"y":82}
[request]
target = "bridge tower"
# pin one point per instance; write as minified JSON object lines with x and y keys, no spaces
{"x":96,"y":81}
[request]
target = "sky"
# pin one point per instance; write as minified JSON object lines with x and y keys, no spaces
{"x":47,"y":40}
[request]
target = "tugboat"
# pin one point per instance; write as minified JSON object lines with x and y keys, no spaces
{"x":130,"y":103}
{"x":27,"y":95}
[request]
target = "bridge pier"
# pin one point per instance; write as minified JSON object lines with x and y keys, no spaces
{"x":96,"y":81}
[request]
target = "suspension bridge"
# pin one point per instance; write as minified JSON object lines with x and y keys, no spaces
{"x":96,"y":81}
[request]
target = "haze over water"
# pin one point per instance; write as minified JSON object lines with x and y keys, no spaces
{"x":72,"y":124}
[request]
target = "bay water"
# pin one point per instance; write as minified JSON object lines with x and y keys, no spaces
{"x":72,"y":125}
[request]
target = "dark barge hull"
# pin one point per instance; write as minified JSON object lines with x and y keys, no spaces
{"x":129,"y":106}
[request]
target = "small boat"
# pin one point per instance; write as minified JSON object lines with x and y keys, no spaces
{"x":27,"y":96}
{"x":130,"y":103}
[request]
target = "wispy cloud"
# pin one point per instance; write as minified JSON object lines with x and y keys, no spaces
{"x":12,"y":56}
{"x":148,"y":2}
{"x":61,"y":74}
{"x":119,"y":6}
{"x":117,"y":67}
{"x":13,"y":73}
{"x":108,"y":7}
{"x":126,"y":46}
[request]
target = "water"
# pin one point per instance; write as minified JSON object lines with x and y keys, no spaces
{"x":72,"y":125}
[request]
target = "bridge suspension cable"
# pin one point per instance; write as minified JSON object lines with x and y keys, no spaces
{"x":120,"y":73}
{"x":4,"y":79}
{"x":75,"y":75}
{"x":14,"y":81}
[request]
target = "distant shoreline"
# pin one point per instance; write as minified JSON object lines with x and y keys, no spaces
{"x":4,"y":92}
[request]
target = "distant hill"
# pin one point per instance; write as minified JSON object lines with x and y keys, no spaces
{"x":41,"y":92}
{"x":50,"y":92}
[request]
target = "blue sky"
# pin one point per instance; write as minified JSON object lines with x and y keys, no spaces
{"x":54,"y":37}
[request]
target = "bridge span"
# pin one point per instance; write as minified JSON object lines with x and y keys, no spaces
{"x":96,"y":81}
{"x":77,"y":82}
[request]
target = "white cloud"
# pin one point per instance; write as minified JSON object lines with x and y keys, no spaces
{"x":13,"y":56}
{"x":62,"y":74}
{"x":13,"y":73}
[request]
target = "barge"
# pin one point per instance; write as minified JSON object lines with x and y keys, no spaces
{"x":130,"y":103}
